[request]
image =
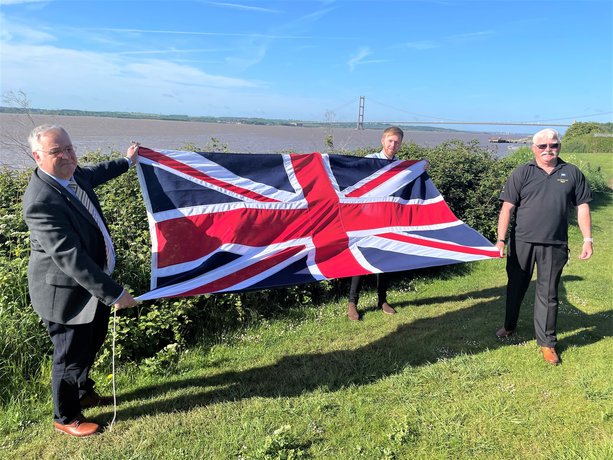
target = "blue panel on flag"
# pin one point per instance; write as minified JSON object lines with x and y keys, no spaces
{"x":387,"y":261}
{"x":168,"y":191}
{"x":349,"y":170}
{"x":263,"y":168}
{"x":461,"y":234}
{"x":296,"y":271}
{"x":421,"y":188}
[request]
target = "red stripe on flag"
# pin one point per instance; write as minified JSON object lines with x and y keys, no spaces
{"x":387,"y":175}
{"x":367,"y":216}
{"x":324,"y":217}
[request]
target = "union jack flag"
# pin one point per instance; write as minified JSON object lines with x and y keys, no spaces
{"x":225,"y":222}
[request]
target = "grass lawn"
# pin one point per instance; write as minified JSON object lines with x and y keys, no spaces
{"x":431,"y":382}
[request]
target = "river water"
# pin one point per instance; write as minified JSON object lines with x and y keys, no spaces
{"x":108,"y":134}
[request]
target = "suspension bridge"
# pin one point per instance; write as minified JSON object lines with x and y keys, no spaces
{"x":445,"y":121}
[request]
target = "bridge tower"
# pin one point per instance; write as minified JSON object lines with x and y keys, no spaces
{"x":361,"y":113}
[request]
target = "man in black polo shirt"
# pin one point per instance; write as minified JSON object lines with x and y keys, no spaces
{"x":540,"y":194}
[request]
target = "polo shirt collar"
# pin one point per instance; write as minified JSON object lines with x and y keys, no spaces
{"x":560,"y":164}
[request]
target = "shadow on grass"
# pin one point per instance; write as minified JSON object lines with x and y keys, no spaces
{"x":466,"y":331}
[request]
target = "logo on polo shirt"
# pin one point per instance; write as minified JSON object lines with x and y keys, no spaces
{"x":562,"y":178}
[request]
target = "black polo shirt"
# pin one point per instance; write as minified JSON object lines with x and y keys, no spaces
{"x":543,"y":201}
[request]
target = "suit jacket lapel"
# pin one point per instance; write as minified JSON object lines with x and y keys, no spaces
{"x":72,"y":200}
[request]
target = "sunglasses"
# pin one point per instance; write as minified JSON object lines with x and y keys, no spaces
{"x":551,"y":146}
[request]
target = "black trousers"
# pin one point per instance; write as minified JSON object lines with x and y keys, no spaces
{"x":74,"y":351}
{"x":382,"y":285}
{"x":549,"y":260}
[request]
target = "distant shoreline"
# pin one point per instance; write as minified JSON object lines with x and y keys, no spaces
{"x":208,"y":119}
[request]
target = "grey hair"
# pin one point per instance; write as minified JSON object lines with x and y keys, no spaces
{"x":39,"y":131}
{"x":547,"y":133}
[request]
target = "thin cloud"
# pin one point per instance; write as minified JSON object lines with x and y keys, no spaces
{"x":112,"y":70}
{"x":457,"y":39}
{"x":374,"y":61}
{"x":10,"y":30}
{"x":237,"y":6}
{"x":358,"y":58}
{"x":184,"y":75}
{"x":315,"y":15}
{"x":422,"y":45}
{"x":217,"y":34}
{"x":470,"y":36}
{"x":483,"y":33}
{"x":254,"y":56}
{"x":20,"y":2}
{"x":172,"y":51}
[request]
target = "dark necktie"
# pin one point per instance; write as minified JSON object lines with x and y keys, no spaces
{"x":108,"y":244}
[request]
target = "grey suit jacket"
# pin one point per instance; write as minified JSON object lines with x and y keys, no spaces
{"x":65,"y":271}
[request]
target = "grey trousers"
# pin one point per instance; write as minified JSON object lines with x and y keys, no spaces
{"x":549,"y":260}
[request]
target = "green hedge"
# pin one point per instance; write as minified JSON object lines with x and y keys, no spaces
{"x":23,"y":339}
{"x":588,"y":137}
{"x":581,"y":128}
{"x":589,"y":143}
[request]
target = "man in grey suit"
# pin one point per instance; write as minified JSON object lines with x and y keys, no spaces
{"x":70,"y":266}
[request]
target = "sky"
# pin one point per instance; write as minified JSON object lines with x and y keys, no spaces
{"x":413,"y":61}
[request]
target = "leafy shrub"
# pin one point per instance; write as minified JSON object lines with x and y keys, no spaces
{"x":520,"y":156}
{"x":165,"y":361}
{"x":582,"y":128}
{"x":588,"y":137}
{"x":23,"y":341}
{"x":589,"y":143}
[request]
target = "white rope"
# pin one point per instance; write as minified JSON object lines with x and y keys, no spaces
{"x":113,"y":344}
{"x":113,"y":370}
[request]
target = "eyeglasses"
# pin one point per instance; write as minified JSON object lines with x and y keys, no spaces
{"x":69,"y":149}
{"x":551,"y":146}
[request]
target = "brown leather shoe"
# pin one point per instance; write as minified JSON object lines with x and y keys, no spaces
{"x":387,"y":308}
{"x":502,"y":333}
{"x":550,"y":355}
{"x":93,"y":399}
{"x":352,"y":312}
{"x":79,"y":427}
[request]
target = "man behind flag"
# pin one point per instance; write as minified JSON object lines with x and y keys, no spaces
{"x":391,"y":141}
